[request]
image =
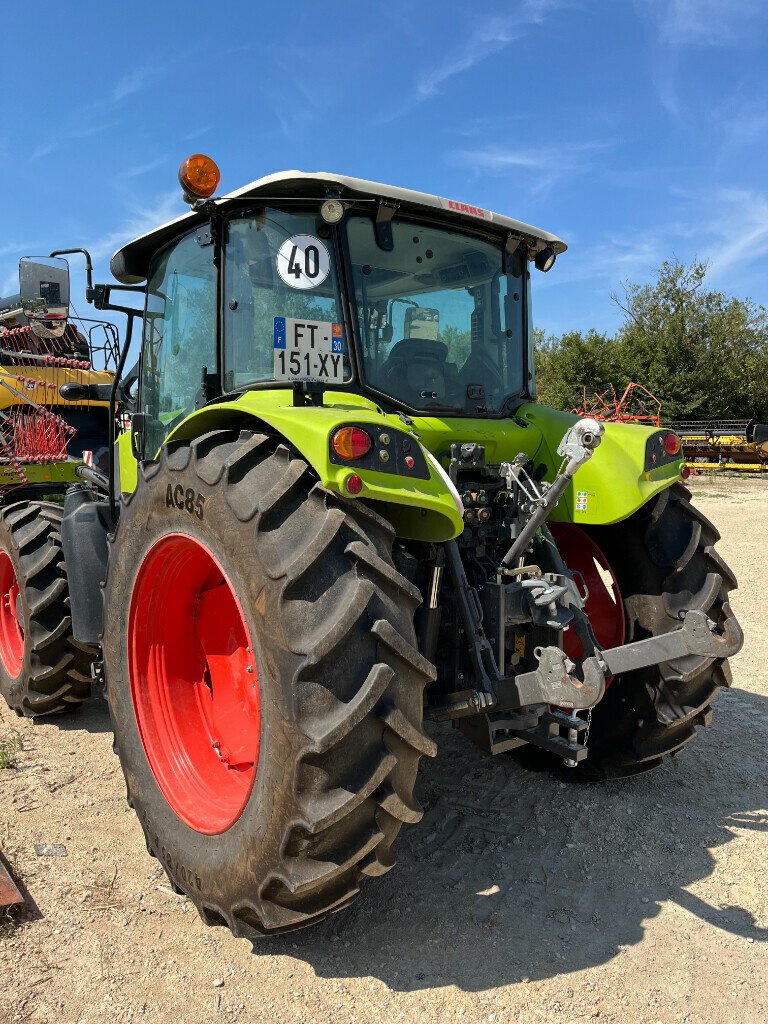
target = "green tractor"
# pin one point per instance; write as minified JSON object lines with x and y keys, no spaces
{"x":339,"y":513}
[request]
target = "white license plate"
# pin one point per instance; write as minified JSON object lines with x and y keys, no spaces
{"x":308,"y":350}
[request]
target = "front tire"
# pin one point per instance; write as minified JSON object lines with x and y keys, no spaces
{"x":325,"y":734}
{"x":43,"y":670}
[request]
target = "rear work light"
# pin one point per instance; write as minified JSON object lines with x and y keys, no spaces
{"x":351,"y":443}
{"x":671,"y":443}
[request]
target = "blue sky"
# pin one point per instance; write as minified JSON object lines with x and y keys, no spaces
{"x":637,"y":130}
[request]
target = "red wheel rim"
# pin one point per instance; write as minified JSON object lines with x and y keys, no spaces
{"x":194,"y":683}
{"x":605,"y":605}
{"x":11,"y":632}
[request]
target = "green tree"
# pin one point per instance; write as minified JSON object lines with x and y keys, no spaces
{"x":567,"y":364}
{"x":459,"y":344}
{"x":702,"y":352}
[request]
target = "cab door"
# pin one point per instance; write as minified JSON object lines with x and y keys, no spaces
{"x":179,"y":337}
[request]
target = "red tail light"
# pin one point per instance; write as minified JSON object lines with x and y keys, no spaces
{"x":671,"y":443}
{"x":351,"y":443}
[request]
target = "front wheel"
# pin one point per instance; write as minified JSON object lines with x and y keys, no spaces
{"x":263,"y":680}
{"x":43,"y":670}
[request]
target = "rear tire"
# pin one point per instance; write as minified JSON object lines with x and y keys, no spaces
{"x":42,"y":669}
{"x":339,"y":677}
{"x":665,"y":562}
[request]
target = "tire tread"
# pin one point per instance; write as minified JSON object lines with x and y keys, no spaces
{"x":359,"y":737}
{"x":56,"y":670}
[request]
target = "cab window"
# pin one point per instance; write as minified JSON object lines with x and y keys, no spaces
{"x":179,"y":336}
{"x":279,"y":269}
{"x":440,"y":317}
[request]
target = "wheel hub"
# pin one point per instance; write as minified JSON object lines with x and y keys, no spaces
{"x":11,"y":631}
{"x":605,"y":605}
{"x":194,"y":683}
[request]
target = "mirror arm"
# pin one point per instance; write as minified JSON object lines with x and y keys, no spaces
{"x":88,"y":268}
{"x":102,"y":294}
{"x":102,"y":297}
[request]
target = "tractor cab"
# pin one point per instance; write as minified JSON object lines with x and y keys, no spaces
{"x":418,"y":302}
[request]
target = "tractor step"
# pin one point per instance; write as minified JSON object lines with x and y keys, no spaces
{"x":499,"y":732}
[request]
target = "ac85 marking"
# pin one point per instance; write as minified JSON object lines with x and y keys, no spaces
{"x":182,"y":499}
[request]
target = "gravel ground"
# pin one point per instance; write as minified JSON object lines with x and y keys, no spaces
{"x":516,"y":898}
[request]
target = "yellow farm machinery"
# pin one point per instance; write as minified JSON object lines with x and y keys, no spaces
{"x":48,"y":358}
{"x":740,"y":445}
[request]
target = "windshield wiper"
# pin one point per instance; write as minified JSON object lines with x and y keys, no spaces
{"x":510,"y":405}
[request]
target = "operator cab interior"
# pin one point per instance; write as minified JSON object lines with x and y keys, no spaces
{"x":441,"y":324}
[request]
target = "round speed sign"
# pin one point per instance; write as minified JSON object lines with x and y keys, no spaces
{"x":303,"y":262}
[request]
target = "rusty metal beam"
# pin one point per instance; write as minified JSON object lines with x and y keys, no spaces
{"x":9,"y":894}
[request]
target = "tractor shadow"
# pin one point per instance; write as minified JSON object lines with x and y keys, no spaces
{"x":92,"y":716}
{"x":512,"y":875}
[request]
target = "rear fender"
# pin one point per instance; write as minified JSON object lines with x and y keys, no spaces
{"x":427,"y":508}
{"x":616,"y":481}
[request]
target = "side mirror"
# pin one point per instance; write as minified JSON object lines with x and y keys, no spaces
{"x":44,"y":295}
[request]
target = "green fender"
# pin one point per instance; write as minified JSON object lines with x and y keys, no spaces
{"x":418,"y":509}
{"x":613,"y":482}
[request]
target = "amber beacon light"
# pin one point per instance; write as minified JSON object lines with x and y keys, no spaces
{"x":199,"y":177}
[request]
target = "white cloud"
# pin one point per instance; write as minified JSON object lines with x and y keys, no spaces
{"x":743,"y":122}
{"x":492,"y":158}
{"x":703,"y":22}
{"x":725,"y":227}
{"x":607,"y":263}
{"x":541,"y":166}
{"x":10,"y":282}
{"x":196,"y":133}
{"x":142,"y":219}
{"x":485,"y":41}
{"x":139,"y":169}
{"x":10,"y":254}
{"x":737,"y":229}
{"x":11,"y":248}
{"x":70,"y":134}
{"x":496,"y":158}
{"x":135,"y":81}
{"x":682,"y":25}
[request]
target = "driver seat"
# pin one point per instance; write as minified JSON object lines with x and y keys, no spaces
{"x":417,"y":365}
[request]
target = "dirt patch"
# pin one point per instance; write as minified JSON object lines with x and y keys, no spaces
{"x":516,"y":898}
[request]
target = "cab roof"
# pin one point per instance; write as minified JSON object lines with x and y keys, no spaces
{"x":130,"y":264}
